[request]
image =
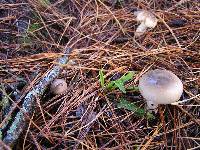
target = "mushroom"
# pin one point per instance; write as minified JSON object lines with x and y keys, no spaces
{"x":147,"y":20}
{"x":160,"y":87}
{"x":58,"y":86}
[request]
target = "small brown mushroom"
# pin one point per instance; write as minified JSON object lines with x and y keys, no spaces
{"x":160,"y":87}
{"x":58,"y":86}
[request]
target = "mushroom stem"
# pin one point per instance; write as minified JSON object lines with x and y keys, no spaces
{"x":151,"y":106}
{"x":141,"y":29}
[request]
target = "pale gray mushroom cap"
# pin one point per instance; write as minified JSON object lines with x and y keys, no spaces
{"x":146,"y":17}
{"x":58,"y":86}
{"x":160,"y":87}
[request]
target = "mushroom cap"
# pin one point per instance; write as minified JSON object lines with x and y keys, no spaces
{"x":160,"y":86}
{"x":140,"y":15}
{"x":151,"y":22}
{"x":147,"y":17}
{"x":58,"y":86}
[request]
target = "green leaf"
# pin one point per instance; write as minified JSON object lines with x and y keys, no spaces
{"x":33,"y":27}
{"x":1,"y":135}
{"x":111,"y":85}
{"x":120,"y":85}
{"x":102,"y":79}
{"x":132,"y":88}
{"x":127,"y":77}
{"x":150,"y":116}
{"x":127,"y":105}
{"x":139,"y":112}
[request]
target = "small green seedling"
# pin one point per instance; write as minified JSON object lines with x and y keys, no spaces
{"x":102,"y":79}
{"x":119,"y":83}
{"x":33,"y":27}
{"x":139,"y":112}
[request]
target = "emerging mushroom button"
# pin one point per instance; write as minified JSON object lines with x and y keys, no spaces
{"x":160,"y":87}
{"x":58,"y":86}
{"x":147,"y":20}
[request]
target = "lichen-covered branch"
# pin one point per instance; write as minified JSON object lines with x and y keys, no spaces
{"x":20,"y":119}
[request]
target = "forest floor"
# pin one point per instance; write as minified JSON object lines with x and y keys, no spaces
{"x":34,"y":33}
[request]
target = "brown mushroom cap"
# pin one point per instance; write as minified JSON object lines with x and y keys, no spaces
{"x":160,"y":86}
{"x":58,"y":86}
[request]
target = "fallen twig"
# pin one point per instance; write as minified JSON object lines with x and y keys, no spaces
{"x":20,"y":119}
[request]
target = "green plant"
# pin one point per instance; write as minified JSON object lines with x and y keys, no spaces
{"x":139,"y":112}
{"x":119,"y":83}
{"x":33,"y":27}
{"x":26,"y":39}
{"x":102,"y":79}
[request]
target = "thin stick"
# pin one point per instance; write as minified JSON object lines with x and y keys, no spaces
{"x":20,"y":119}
